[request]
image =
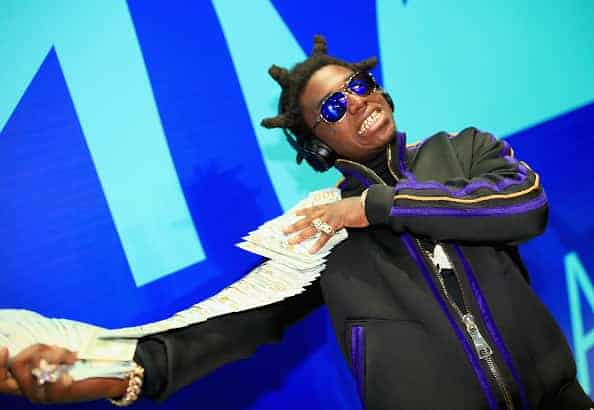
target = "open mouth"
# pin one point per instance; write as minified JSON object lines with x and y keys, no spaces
{"x":368,"y":123}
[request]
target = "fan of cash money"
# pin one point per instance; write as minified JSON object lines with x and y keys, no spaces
{"x":20,"y":329}
{"x":289,"y":270}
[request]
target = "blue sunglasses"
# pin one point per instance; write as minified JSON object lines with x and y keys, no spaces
{"x":334,"y":107}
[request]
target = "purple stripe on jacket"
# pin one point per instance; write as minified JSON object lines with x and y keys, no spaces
{"x":473,"y":186}
{"x":359,"y":177}
{"x":462,"y":192}
{"x":535,"y":203}
{"x":343,"y":184}
{"x":506,"y":149}
{"x":470,"y":353}
{"x":358,"y":356}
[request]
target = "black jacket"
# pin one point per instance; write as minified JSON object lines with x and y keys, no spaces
{"x":471,"y":337}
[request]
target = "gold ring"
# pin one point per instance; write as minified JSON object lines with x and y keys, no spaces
{"x":322,"y":227}
{"x":46,"y":373}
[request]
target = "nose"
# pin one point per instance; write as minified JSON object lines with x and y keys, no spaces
{"x":356,"y":103}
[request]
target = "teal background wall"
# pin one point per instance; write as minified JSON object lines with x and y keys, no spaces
{"x":132,"y":160}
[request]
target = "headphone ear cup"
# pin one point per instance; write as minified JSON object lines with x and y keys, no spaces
{"x":388,"y":99}
{"x":317,"y":154}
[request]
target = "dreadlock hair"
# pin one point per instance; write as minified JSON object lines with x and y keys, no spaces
{"x":292,"y":82}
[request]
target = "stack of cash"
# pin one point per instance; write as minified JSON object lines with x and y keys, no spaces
{"x":289,"y":270}
{"x":20,"y":329}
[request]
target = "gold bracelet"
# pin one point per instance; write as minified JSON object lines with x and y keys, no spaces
{"x":363,"y":197}
{"x":134,"y":387}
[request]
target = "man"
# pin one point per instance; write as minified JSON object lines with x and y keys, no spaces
{"x":428,"y":296}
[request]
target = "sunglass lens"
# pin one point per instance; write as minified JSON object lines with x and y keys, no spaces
{"x":362,"y":84}
{"x":334,"y":107}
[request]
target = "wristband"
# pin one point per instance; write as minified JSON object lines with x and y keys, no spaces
{"x":136,"y":378}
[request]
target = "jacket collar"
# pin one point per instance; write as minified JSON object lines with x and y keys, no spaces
{"x":366,"y":175}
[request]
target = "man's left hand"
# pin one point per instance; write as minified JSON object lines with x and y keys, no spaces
{"x":346,"y":213}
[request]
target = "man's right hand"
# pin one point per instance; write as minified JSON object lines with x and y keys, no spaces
{"x":64,"y":390}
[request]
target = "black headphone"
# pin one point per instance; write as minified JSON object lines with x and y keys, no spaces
{"x":317,"y":153}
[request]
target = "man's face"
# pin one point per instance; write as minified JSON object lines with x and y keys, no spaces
{"x":350,"y":138}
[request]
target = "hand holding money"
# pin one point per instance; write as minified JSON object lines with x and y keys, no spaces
{"x":38,"y":359}
{"x":345,"y":213}
{"x":16,"y":377}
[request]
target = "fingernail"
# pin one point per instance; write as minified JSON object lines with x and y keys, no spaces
{"x":11,"y":384}
{"x":67,"y":380}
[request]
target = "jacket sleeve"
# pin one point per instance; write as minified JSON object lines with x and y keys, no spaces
{"x":500,"y":199}
{"x":176,"y":358}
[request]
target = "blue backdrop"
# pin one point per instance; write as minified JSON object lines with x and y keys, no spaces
{"x":131,"y":159}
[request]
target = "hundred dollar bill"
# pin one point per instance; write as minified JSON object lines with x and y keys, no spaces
{"x":306,"y":274}
{"x":272,"y":237}
{"x":320,"y":197}
{"x":100,"y":349}
{"x":251,"y":290}
{"x":136,"y":332}
{"x":87,"y":369}
{"x":23,"y":328}
{"x":280,"y":244}
{"x":291,"y":261}
{"x":20,"y":329}
{"x":259,"y":288}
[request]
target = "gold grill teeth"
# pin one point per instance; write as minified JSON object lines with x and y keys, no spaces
{"x":370,"y":119}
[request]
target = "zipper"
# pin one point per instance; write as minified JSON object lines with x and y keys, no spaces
{"x":482,"y":347}
{"x":485,"y":353}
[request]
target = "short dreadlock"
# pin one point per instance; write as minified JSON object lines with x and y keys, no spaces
{"x":292,"y":83}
